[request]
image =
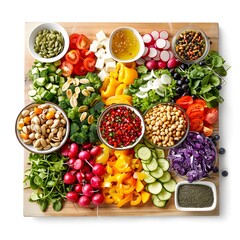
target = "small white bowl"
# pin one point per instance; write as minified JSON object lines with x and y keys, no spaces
{"x":49,"y":26}
{"x":205,"y":183}
{"x":138,"y":37}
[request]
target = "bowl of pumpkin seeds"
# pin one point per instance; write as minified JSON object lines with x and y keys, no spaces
{"x":48,"y":42}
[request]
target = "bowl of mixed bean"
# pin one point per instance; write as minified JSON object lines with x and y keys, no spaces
{"x":190,"y":45}
{"x":48,"y":42}
{"x":42,"y":128}
{"x":167,"y":125}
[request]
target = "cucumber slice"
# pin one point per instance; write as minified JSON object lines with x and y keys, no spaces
{"x":155,"y":188}
{"x":32,"y":93}
{"x":157,"y":173}
{"x":152,"y":165}
{"x":148,"y":144}
{"x":144,"y":153}
{"x":166,"y":177}
{"x":145,"y":166}
{"x":164,"y":195}
{"x":163,"y":164}
{"x":157,"y":202}
{"x":154,"y":153}
{"x":138,"y":146}
{"x":148,"y":178}
{"x":160,"y":153}
{"x":170,"y":186}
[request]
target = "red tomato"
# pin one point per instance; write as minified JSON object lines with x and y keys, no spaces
{"x":67,"y":68}
{"x":196,"y":124}
{"x":207,"y":130}
{"x":201,"y":101}
{"x":198,"y":114}
{"x":195,"y":107}
{"x":73,"y":56}
{"x":185,"y":101}
{"x":89,"y":64}
{"x":87,"y":53}
{"x":79,"y":69}
{"x":73,"y":40}
{"x":83,"y":42}
{"x":210,"y":115}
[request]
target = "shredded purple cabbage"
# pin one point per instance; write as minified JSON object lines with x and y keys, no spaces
{"x":194,"y":158}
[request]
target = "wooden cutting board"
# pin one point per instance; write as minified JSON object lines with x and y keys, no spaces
{"x":90,"y":30}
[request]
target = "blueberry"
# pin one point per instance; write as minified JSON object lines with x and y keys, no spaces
{"x":219,"y":87}
{"x":202,"y":63}
{"x":179,"y":82}
{"x":172,"y":71}
{"x":193,"y":96}
{"x":179,"y":90}
{"x":176,"y":76}
{"x":183,"y":66}
{"x":215,"y":169}
{"x":186,"y":81}
{"x":185,"y":87}
{"x":216,"y":137}
{"x":221,"y":150}
{"x":224,"y":173}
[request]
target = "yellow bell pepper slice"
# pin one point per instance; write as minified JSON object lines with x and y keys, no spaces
{"x":109,"y":87}
{"x":145,"y":196}
{"x":127,"y":75}
{"x":125,"y":200}
{"x":139,"y":185}
{"x":120,"y":89}
{"x":104,"y":156}
{"x":127,"y":189}
{"x":137,"y":198}
{"x":120,"y":99}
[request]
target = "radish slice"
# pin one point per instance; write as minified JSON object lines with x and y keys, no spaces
{"x":171,"y":55}
{"x":146,"y":52}
{"x":157,"y":58}
{"x":141,"y":94}
{"x":148,"y":39}
{"x":163,"y":34}
{"x":160,"y":43}
{"x":168,"y":45}
{"x":147,"y":58}
{"x":166,"y":79}
{"x":140,"y":61}
{"x":153,"y":52}
{"x":155,"y":34}
{"x":164,"y":55}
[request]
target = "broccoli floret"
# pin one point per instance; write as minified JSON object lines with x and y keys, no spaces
{"x":79,"y":138}
{"x":64,"y":104}
{"x":94,"y":80}
{"x":74,"y":128}
{"x":88,"y":100}
{"x":93,"y":137}
{"x":73,"y":113}
{"x":84,"y":129}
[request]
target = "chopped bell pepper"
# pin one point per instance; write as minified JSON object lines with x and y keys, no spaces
{"x":109,"y":87}
{"x":103,"y":157}
{"x":120,"y":89}
{"x":127,"y":75}
{"x":139,"y":185}
{"x":124,"y":99}
{"x":145,"y":196}
{"x":137,"y":198}
{"x":125,"y":200}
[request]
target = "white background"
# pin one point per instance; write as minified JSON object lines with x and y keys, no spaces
{"x":12,"y":100}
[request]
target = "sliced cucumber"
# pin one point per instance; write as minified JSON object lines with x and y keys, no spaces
{"x":164,"y":195}
{"x":155,"y":188}
{"x":152,"y":165}
{"x":163,"y":164}
{"x":145,"y":167}
{"x":166,"y":177}
{"x":149,"y":178}
{"x":160,"y":153}
{"x":157,"y":202}
{"x":154,"y":153}
{"x":148,"y":144}
{"x":157,"y":173}
{"x":138,"y":146}
{"x":32,"y":93}
{"x":170,"y":185}
{"x":144,"y":153}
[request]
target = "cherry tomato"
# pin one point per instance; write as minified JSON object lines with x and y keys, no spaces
{"x":89,"y":64}
{"x":67,"y":68}
{"x":83,"y":42}
{"x":207,"y":130}
{"x":196,"y":124}
{"x":197,"y":114}
{"x":185,"y":101}
{"x":87,"y":53}
{"x":210,"y":115}
{"x":73,"y":56}
{"x":79,"y":69}
{"x":195,"y":107}
{"x":73,"y":39}
{"x":201,"y":101}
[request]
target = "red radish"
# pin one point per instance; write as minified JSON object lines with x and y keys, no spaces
{"x":73,"y":151}
{"x":146,"y":52}
{"x":160,"y":43}
{"x":171,"y":55}
{"x":84,"y":155}
{"x":69,"y":178}
{"x":157,"y":58}
{"x":71,"y":162}
{"x":164,"y":55}
{"x":151,"y":64}
{"x":155,"y":34}
{"x":87,"y":190}
{"x":84,"y":201}
{"x":162,"y":65}
{"x":97,"y":198}
{"x":98,"y":169}
{"x":148,"y":39}
{"x":96,"y":182}
{"x":88,"y":176}
{"x":86,"y":169}
{"x":153,"y":52}
{"x":78,"y":188}
{"x":167,"y":46}
{"x":140,"y":61}
{"x":80,"y":177}
{"x":78,"y":164}
{"x":65,"y":150}
{"x":96,"y":150}
{"x":172,"y":63}
{"x":87,"y":146}
{"x":163,"y":34}
{"x":72,"y":196}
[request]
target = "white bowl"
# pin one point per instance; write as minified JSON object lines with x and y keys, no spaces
{"x":138,"y":37}
{"x":49,"y":26}
{"x":205,"y":183}
{"x":30,"y":147}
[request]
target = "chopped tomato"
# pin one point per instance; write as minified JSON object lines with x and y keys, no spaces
{"x":201,"y":101}
{"x":195,"y":107}
{"x":83,"y":42}
{"x":207,"y":130}
{"x":87,"y":53}
{"x":79,"y":69}
{"x":67,"y":68}
{"x":198,"y":114}
{"x":73,"y":56}
{"x":73,"y":40}
{"x":210,"y":115}
{"x":89,"y":64}
{"x":185,"y":101}
{"x":196,"y":124}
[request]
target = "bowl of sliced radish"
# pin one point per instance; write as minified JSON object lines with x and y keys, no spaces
{"x":126,"y":44}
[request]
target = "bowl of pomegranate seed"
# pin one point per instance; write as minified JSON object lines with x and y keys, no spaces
{"x":120,"y":126}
